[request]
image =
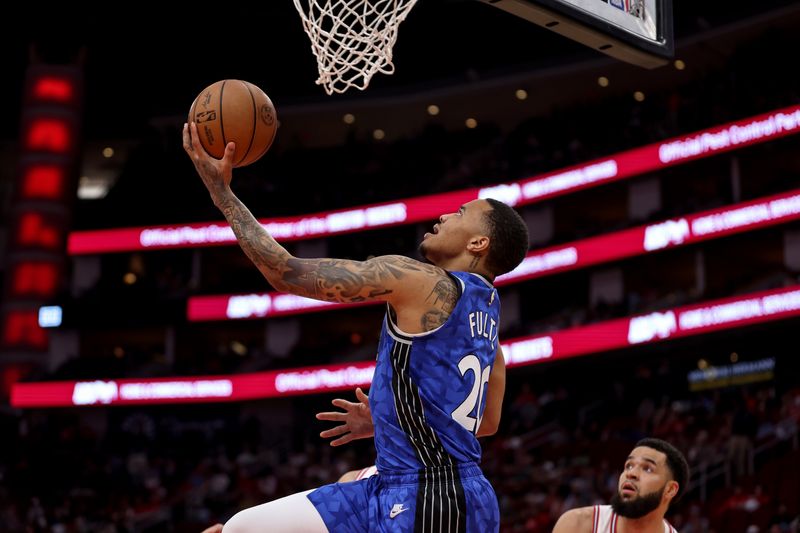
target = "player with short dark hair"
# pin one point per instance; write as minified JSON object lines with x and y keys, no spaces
{"x":440,"y":372}
{"x":653,"y":478}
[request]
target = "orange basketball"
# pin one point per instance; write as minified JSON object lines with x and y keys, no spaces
{"x":238,"y":111}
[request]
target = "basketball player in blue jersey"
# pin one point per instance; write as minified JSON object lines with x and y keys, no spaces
{"x":356,"y":423}
{"x":654,"y":476}
{"x":438,"y":355}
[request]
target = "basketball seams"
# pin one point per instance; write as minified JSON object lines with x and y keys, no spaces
{"x":274,"y":130}
{"x":255,"y":121}
{"x":221,"y":123}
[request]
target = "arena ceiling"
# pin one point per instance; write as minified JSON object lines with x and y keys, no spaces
{"x":151,"y":61}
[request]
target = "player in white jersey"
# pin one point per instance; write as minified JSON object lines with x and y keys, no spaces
{"x":654,"y":476}
{"x":357,"y":475}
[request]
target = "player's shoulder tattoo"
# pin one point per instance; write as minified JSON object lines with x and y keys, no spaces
{"x":440,"y":301}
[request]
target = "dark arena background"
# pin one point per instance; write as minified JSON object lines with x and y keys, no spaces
{"x":151,"y":380}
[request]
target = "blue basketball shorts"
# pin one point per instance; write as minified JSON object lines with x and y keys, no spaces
{"x":444,"y":499}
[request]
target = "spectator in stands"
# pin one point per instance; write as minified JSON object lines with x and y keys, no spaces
{"x":743,"y":429}
{"x":782,"y":521}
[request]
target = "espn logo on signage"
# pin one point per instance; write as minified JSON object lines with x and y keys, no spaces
{"x":652,"y":326}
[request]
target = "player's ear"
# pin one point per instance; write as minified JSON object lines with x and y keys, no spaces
{"x":671,"y":490}
{"x":478,"y":244}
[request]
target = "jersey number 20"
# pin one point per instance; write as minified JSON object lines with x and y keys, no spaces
{"x":463,"y":413}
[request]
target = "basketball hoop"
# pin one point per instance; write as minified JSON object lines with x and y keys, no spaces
{"x":352,"y":39}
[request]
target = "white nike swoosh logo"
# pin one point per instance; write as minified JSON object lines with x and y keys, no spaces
{"x":396,"y":511}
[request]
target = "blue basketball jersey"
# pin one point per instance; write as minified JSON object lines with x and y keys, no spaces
{"x":427,"y":399}
{"x":429,"y":391}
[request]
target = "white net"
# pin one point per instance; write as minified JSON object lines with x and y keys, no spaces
{"x":352,"y":39}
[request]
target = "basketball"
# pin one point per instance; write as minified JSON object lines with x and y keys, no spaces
{"x":238,"y":111}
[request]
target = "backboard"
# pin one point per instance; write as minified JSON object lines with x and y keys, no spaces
{"x":634,"y":31}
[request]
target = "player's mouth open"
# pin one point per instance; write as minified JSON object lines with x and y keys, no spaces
{"x":434,"y":231}
{"x":628,"y":489}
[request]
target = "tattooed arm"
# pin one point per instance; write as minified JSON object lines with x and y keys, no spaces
{"x":334,"y":280}
{"x":395,"y":279}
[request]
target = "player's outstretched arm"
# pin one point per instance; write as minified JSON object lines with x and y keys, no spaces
{"x":356,"y":420}
{"x":389,"y":278}
{"x":494,"y":396}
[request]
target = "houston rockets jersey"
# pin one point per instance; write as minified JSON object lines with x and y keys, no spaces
{"x":605,"y":520}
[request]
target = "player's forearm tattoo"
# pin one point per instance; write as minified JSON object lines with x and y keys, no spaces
{"x":336,"y":280}
{"x":259,"y":246}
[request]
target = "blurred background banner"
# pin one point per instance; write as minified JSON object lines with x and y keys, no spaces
{"x":154,"y":379}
